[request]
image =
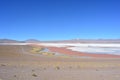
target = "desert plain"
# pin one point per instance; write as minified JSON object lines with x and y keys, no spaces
{"x":41,"y":62}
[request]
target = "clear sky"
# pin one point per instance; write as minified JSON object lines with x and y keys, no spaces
{"x":59,"y":19}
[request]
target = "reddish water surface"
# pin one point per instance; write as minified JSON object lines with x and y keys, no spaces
{"x":63,"y":50}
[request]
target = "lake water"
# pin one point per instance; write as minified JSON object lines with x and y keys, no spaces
{"x":97,"y":50}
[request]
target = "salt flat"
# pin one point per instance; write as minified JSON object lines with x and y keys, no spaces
{"x":101,"y":48}
{"x":88,"y":47}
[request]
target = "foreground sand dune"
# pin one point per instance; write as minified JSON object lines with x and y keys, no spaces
{"x":17,"y":63}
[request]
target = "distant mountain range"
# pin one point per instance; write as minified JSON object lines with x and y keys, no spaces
{"x":9,"y":41}
{"x":63,"y":41}
{"x":32,"y":41}
{"x":15,"y":41}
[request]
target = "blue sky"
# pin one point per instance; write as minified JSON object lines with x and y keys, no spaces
{"x":59,"y":19}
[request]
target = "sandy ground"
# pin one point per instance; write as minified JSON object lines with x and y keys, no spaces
{"x":16,"y":63}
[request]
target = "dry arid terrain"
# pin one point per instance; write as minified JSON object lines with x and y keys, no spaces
{"x":28,"y":62}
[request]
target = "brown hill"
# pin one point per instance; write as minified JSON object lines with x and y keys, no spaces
{"x":8,"y":41}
